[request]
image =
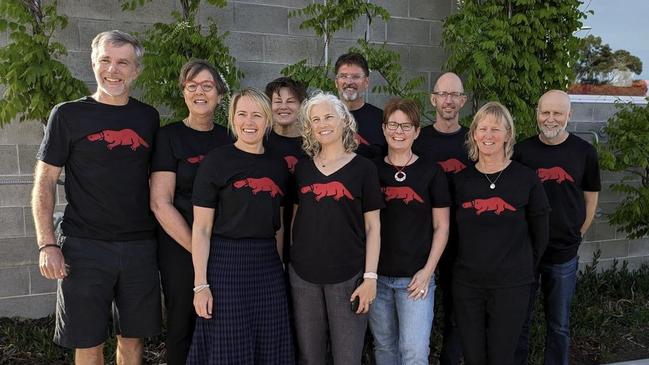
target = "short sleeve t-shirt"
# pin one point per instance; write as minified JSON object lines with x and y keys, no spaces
{"x":566,"y":171}
{"x":181,"y":149}
{"x":245,"y":189}
{"x":329,"y":226}
{"x":371,"y":141}
{"x":446,"y":149}
{"x":494,"y":247}
{"x":288,"y":148}
{"x":406,"y":220}
{"x":106,"y":151}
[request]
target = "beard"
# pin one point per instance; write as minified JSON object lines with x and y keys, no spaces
{"x":350,"y":94}
{"x":552,"y":133}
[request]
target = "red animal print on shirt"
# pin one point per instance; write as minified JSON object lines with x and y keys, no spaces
{"x":123,"y":137}
{"x":361,"y":140}
{"x":404,"y":193}
{"x":259,"y":184}
{"x":452,"y":165}
{"x":494,"y":204}
{"x":195,"y":159}
{"x":290,"y":162}
{"x":333,"y":189}
{"x":554,"y":173}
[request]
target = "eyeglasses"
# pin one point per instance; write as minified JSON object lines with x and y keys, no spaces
{"x":353,"y":77}
{"x":443,"y":94}
{"x":206,"y":86}
{"x":393,"y":126}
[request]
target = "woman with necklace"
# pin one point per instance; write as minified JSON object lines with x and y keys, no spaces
{"x":179,"y":150}
{"x":414,"y":231}
{"x":502,"y":215}
{"x":239,"y":288}
{"x":336,"y":236}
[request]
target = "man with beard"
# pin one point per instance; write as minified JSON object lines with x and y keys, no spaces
{"x":568,"y":168}
{"x":352,"y":81}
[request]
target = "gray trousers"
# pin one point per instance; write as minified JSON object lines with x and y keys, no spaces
{"x":322,"y":308}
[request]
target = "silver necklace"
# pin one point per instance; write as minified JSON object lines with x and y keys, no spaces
{"x":400,"y":175}
{"x":492,"y":184}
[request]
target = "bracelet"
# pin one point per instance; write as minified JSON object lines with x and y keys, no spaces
{"x":199,"y":288}
{"x":370,"y":275}
{"x":40,"y":248}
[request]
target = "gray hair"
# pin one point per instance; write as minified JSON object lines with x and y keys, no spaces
{"x":118,"y":38}
{"x":309,"y":143}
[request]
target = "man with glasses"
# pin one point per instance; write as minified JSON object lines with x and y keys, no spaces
{"x":443,"y":142}
{"x":106,"y":260}
{"x":352,"y":81}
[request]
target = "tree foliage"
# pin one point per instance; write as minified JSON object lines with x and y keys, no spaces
{"x":513,"y":51}
{"x":627,"y":151}
{"x":169,"y":46}
{"x":597,"y":60}
{"x":34,"y":80}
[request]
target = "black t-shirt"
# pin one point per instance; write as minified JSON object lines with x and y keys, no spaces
{"x":371,"y":141}
{"x":447,"y":149}
{"x":406,"y":220}
{"x":288,"y":148}
{"x":106,"y":150}
{"x":180,"y":149}
{"x":495,"y":244}
{"x":329,"y":230}
{"x":245,"y":189}
{"x":566,"y":170}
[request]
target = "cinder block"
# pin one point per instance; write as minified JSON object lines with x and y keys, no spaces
{"x":339,"y":47}
{"x":586,"y":251}
{"x":38,"y":284}
{"x":30,"y":229}
{"x":639,"y":247}
{"x":21,"y":133}
{"x":30,"y":306}
{"x":601,"y":231}
{"x":88,"y":9}
{"x":612,"y":248}
{"x":605,"y":208}
{"x":151,"y":12}
{"x":9,"y":160}
{"x":427,"y":9}
{"x":27,"y":158}
{"x":15,"y":195}
{"x":294,"y":23}
{"x":615,"y":176}
{"x":79,"y":64}
{"x":223,"y":17}
{"x":259,"y":74}
{"x":378,"y":30}
{"x":379,"y":100}
{"x":290,"y":50}
{"x":602,"y":112}
{"x":395,"y":8}
{"x":581,"y":112}
{"x":285,"y":3}
{"x":427,"y":58}
{"x":18,"y":251}
{"x":260,"y":18}
{"x":436,"y":28}
{"x":357,"y":31}
{"x":246,"y":46}
{"x":607,"y":195}
{"x":14,"y":281}
{"x":12,"y":222}
{"x":408,"y":31}
{"x":69,"y":36}
{"x":635,"y":263}
{"x":89,"y":28}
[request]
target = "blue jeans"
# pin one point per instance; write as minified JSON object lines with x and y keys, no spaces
{"x":401,"y":326}
{"x":558,"y":283}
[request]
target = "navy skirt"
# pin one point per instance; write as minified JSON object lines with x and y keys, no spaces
{"x":250,"y":317}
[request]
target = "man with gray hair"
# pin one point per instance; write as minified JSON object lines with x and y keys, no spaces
{"x":105,"y":260}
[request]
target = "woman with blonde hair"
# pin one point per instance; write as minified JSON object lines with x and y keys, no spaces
{"x":502,"y":215}
{"x":239,"y":291}
{"x":336,"y":236}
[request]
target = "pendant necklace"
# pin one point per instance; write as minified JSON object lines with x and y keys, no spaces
{"x":492,"y":184}
{"x":400,"y":175}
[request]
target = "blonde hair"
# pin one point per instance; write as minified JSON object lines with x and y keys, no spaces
{"x":309,"y":143}
{"x":257,"y":96}
{"x":502,"y":115}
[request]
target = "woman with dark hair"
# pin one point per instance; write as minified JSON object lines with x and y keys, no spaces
{"x":414,"y":230}
{"x":336,"y":236}
{"x":239,"y":289}
{"x":179,"y":150}
{"x":502,"y":215}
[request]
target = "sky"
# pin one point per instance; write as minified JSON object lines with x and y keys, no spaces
{"x":623,"y":24}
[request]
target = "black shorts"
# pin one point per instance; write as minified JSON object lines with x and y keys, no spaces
{"x":107,"y":277}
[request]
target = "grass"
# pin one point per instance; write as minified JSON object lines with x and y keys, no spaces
{"x":609,"y":322}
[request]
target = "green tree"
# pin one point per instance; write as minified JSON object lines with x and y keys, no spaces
{"x":169,"y":46}
{"x":596,"y":60}
{"x":627,"y":151}
{"x":624,"y":60}
{"x":34,"y":79}
{"x":513,"y":51}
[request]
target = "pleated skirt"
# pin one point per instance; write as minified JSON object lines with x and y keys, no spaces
{"x":250,"y":317}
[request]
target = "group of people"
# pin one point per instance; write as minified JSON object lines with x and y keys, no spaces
{"x":281,"y":238}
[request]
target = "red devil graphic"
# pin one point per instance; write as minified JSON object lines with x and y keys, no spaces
{"x":554,"y":173}
{"x":361,"y":140}
{"x":123,"y":137}
{"x":494,"y":204}
{"x":195,"y":159}
{"x":405,"y":193}
{"x":452,"y":165}
{"x":259,"y":184}
{"x":290,"y":162}
{"x":333,"y":188}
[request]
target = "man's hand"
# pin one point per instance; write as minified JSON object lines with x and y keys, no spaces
{"x":52,"y":263}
